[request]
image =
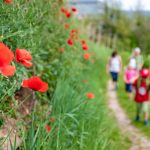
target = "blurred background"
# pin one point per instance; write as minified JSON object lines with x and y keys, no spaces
{"x":117,"y":24}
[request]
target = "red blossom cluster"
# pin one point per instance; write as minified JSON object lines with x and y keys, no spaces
{"x":68,"y":13}
{"x":71,"y":40}
{"x":74,"y":33}
{"x":23,"y":57}
{"x":47,"y":126}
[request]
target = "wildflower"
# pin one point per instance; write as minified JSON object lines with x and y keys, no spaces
{"x":35,"y":83}
{"x":70,"y":42}
{"x":7,"y":1}
{"x":6,"y":57}
{"x":63,"y":10}
{"x":83,"y":42}
{"x":87,"y":56}
{"x":74,"y":9}
{"x":52,"y":119}
{"x":61,"y":50}
{"x":73,"y":36}
{"x":90,"y":95}
{"x":85,"y":47}
{"x":68,"y":14}
{"x":23,"y":57}
{"x":8,"y":70}
{"x":48,"y":128}
{"x":66,"y":26}
{"x":74,"y":31}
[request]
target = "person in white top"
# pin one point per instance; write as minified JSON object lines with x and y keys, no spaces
{"x":114,"y":66}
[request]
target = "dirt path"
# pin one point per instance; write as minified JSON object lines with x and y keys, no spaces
{"x":138,"y":140}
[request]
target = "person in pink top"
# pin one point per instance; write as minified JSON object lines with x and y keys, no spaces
{"x":129,"y":77}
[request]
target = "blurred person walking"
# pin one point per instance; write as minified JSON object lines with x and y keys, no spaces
{"x":113,"y":67}
{"x":142,"y":86}
{"x":130,"y":75}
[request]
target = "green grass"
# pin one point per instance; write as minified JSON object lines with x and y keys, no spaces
{"x":80,"y":123}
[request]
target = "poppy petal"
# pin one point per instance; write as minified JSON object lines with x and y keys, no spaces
{"x":44,"y":87}
{"x":35,"y":83}
{"x":23,"y":57}
{"x":6,"y":55}
{"x":25,"y":84}
{"x":27,"y":63}
{"x":8,"y":70}
{"x":23,"y":54}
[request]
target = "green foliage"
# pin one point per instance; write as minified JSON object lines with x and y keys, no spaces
{"x":122,"y":30}
{"x":79,"y":123}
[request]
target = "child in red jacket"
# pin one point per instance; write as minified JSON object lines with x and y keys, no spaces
{"x":142,"y":87}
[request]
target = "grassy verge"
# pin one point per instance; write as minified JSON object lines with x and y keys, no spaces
{"x":72,"y":120}
{"x":80,"y":123}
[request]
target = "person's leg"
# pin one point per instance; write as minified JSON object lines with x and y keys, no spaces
{"x":139,"y":108}
{"x":115,"y":80}
{"x":145,"y":111}
{"x":130,"y":92}
{"x":113,"y":75}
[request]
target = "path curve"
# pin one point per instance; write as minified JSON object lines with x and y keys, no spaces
{"x":138,"y":140}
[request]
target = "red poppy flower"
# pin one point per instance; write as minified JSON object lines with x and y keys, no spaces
{"x":61,"y":50}
{"x":74,"y":31}
{"x":70,"y":42}
{"x":48,"y":128}
{"x":87,"y":56}
{"x":90,"y":95}
{"x":66,"y":26}
{"x":74,"y":9}
{"x":52,"y":119}
{"x":68,"y":14}
{"x":6,"y":57}
{"x":23,"y":57}
{"x":83,"y":42}
{"x":8,"y":1}
{"x":35,"y":83}
{"x":8,"y":70}
{"x":85,"y":47}
{"x":63,"y":10}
